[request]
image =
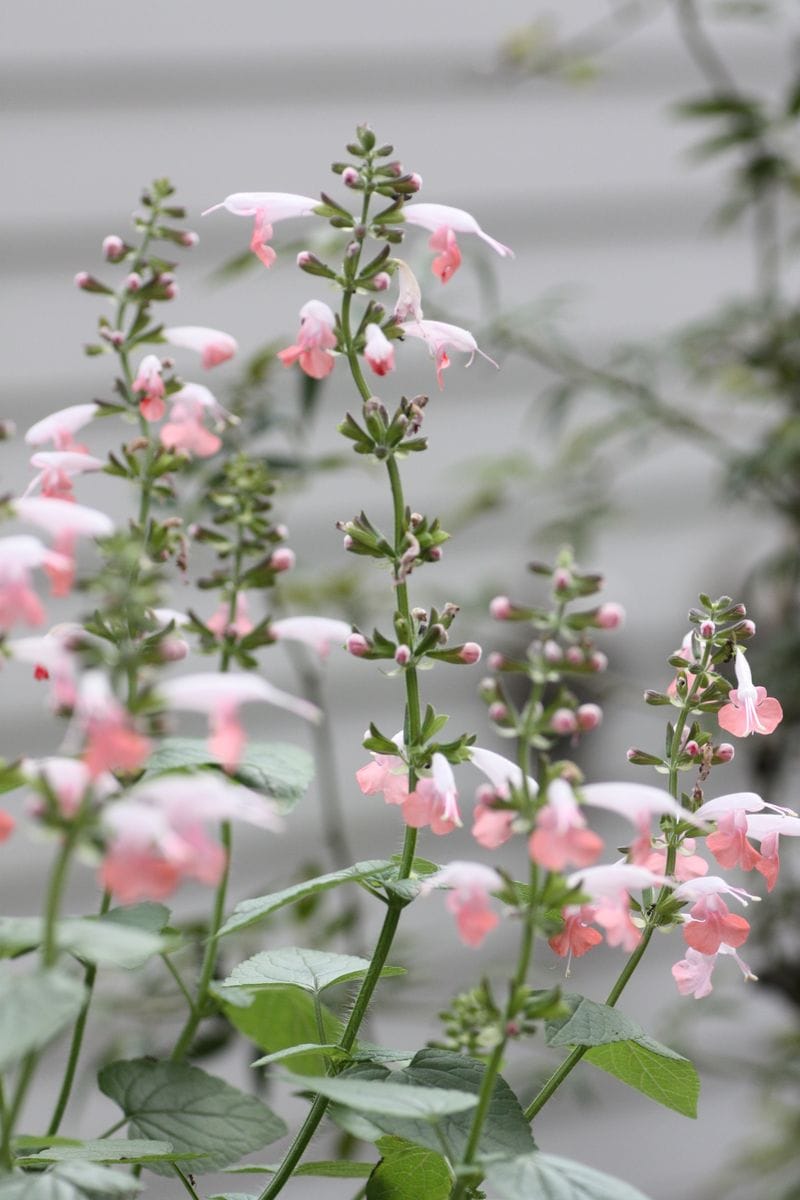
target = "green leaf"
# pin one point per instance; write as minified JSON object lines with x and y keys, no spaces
{"x":407,"y":1172}
{"x":94,"y":939}
{"x":277,"y":769}
{"x":384,"y":1097}
{"x":342,"y":1169}
{"x":279,"y":1018}
{"x":10,"y":777}
{"x":505,"y":1129}
{"x":312,"y":970}
{"x":198,"y":1113}
{"x":106,"y":1150}
{"x":33,"y":1009}
{"x":364,"y":1052}
{"x":590,"y":1024}
{"x":247,"y":912}
{"x":652,"y":1069}
{"x":547,"y":1177}
{"x":147,"y":915}
{"x":71,"y":1181}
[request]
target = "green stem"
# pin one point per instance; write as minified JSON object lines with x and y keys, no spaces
{"x":7,"y":1157}
{"x":184,"y":1042}
{"x":112,"y":1128}
{"x":175,"y":973}
{"x":13,"y":1110}
{"x":185,"y":1181}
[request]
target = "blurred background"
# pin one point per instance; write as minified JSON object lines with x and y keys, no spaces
{"x":640,"y":158}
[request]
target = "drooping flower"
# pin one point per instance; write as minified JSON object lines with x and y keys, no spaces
{"x":157,"y":833}
{"x":693,"y":973}
{"x":767,"y":829}
{"x":150,"y":384}
{"x":749,"y":708}
{"x":60,"y":427}
{"x":688,"y":865}
{"x":213,"y":346}
{"x":315,"y":341}
{"x":709,"y":921}
{"x":577,"y":937}
{"x":438,"y":336}
{"x":637,"y":803}
{"x":318,"y":633}
{"x":221,"y":623}
{"x":387,"y":774}
{"x":729,"y":843}
{"x":57,"y":469}
{"x":19,"y":556}
{"x":492,"y":826}
{"x":112,"y":742}
{"x":65,"y":521}
{"x":185,"y":430}
{"x":266,"y":208}
{"x":502,"y":773}
{"x":444,"y":223}
{"x":468,"y":901}
{"x":220,"y":697}
{"x":67,"y":780}
{"x":409,"y":298}
{"x":434,"y":801}
{"x":607,"y":887}
{"x":560,"y":837}
{"x":379,"y":351}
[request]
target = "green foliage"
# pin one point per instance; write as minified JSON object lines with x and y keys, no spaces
{"x":652,"y":1069}
{"x":407,"y":1172}
{"x":110,"y":943}
{"x":341,"y":1169}
{"x":276,"y":769}
{"x":590,"y":1024}
{"x":547,"y":1177}
{"x":197,"y":1113}
{"x":71,"y":1181}
{"x":106,"y":1150}
{"x":281,"y":1018}
{"x":33,"y":1009}
{"x":311,"y":970}
{"x":383,"y":1098}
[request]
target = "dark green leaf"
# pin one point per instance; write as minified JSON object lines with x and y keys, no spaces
{"x":279,"y":1018}
{"x":408,"y":1172}
{"x":653,"y":1069}
{"x":590,"y":1024}
{"x":91,"y":938}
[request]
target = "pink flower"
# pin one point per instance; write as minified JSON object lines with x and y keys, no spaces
{"x":729,"y":843}
{"x":18,"y":557}
{"x":65,"y":521}
{"x":607,"y":887}
{"x":57,"y":469}
{"x":53,"y":659}
{"x":60,"y":426}
{"x":7,"y":824}
{"x":445,"y":222}
{"x":693,"y":973}
{"x":157,"y":835}
{"x":560,"y":837}
{"x":688,"y":865}
{"x":221,"y":624}
{"x":438,"y":335}
{"x":434,"y":801}
{"x":638,"y":803}
{"x":387,"y":774}
{"x":749,"y":709}
{"x":149,"y":382}
{"x":577,"y":937}
{"x":185,"y":429}
{"x":220,"y":696}
{"x":319,"y":633}
{"x":502,"y":773}
{"x":491,"y":827}
{"x":710,"y":922}
{"x":468,"y":901}
{"x":266,"y":208}
{"x":112,"y":743}
{"x":767,"y":829}
{"x":409,"y":298}
{"x":315,"y":341}
{"x":379,"y":351}
{"x":213,"y":346}
{"x":68,"y":780}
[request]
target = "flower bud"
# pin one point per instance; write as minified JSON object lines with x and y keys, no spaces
{"x":498,"y":712}
{"x":348,"y":542}
{"x":574,"y":656}
{"x":563,"y":721}
{"x":724,"y":752}
{"x":172,"y":649}
{"x":610,"y":616}
{"x":692,"y":748}
{"x":416,"y":179}
{"x":745,"y":629}
{"x":83,"y":280}
{"x":350,"y":177}
{"x":496,"y":661}
{"x":133,"y":282}
{"x":598,"y":661}
{"x":562,"y":580}
{"x":170,"y":291}
{"x":381,"y":281}
{"x":8,"y":430}
{"x":707,"y":629}
{"x":189,"y":238}
{"x":500,"y":608}
{"x":420,"y":615}
{"x":589,"y":716}
{"x":487,"y":688}
{"x":113,"y":248}
{"x":357,"y":645}
{"x":282,"y":559}
{"x":435,"y":554}
{"x":470,"y":653}
{"x":402,"y":655}
{"x":551,"y":652}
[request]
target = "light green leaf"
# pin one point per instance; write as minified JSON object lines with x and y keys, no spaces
{"x":94,"y":939}
{"x":71,"y":1181}
{"x":248,"y":912}
{"x":341,"y":1169}
{"x":407,"y":1172}
{"x":106,"y":1150}
{"x":276,"y":769}
{"x":312,"y":970}
{"x":547,"y":1177}
{"x":590,"y":1024}
{"x":653,"y":1069}
{"x":364,"y":1052}
{"x":146,"y":915}
{"x":279,"y":1018}
{"x":33,"y":1009}
{"x":382,"y":1097}
{"x":198,"y":1113}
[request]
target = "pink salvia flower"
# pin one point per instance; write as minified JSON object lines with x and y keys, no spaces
{"x":767,"y":829}
{"x":221,"y":623}
{"x":53,"y":659}
{"x":60,"y":427}
{"x":491,"y":826}
{"x":688,"y":865}
{"x":434,"y":801}
{"x":577,"y":937}
{"x":57,"y":469}
{"x":502,"y":773}
{"x":148,"y":381}
{"x":213,"y":346}
{"x":637,"y":803}
{"x":729,"y":843}
{"x":65,"y":521}
{"x":266,"y":208}
{"x":112,"y":743}
{"x":693,"y":973}
{"x":379,"y":351}
{"x":749,"y":708}
{"x":438,"y":336}
{"x":7,"y":824}
{"x":318,"y":633}
{"x":409,"y":298}
{"x":607,"y":887}
{"x":18,"y":557}
{"x":185,"y":429}
{"x":468,"y":901}
{"x":445,"y":222}
{"x":315,"y":341}
{"x":68,"y":779}
{"x":221,"y":696}
{"x":560,"y":838}
{"x":709,"y":921}
{"x":385,"y":774}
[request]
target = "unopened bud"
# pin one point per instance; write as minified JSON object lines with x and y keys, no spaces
{"x":381,"y":281}
{"x":282,"y":559}
{"x":707,"y":629}
{"x":113,"y":248}
{"x":589,"y":716}
{"x":402,"y":655}
{"x":487,"y":688}
{"x":420,"y":614}
{"x":496,"y":661}
{"x":500,"y":608}
{"x":692,"y":748}
{"x":563,"y":721}
{"x":416,"y":179}
{"x":348,"y":542}
{"x":357,"y":645}
{"x":170,"y":291}
{"x":725,"y":752}
{"x":133,"y":282}
{"x":350,"y":177}
{"x":470,"y":653}
{"x":83,"y":280}
{"x":551,"y":652}
{"x":415,"y":520}
{"x":172,"y":649}
{"x":189,"y":238}
{"x":610,"y":616}
{"x":498,"y":712}
{"x":745,"y":629}
{"x":440,"y":633}
{"x":562,"y":580}
{"x":7,"y":430}
{"x":598,"y":661}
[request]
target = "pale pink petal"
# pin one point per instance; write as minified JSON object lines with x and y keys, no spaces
{"x":577,"y":937}
{"x":448,"y":259}
{"x":438,"y":216}
{"x":58,"y":517}
{"x":318,"y":633}
{"x":213,"y":346}
{"x":379,"y":351}
{"x":60,"y":426}
{"x":693,"y":974}
{"x":492,"y":827}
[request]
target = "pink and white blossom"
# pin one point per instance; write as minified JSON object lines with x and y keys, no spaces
{"x":492,"y":826}
{"x":637,"y":803}
{"x":315,"y":341}
{"x":386,"y":773}
{"x":185,"y":430}
{"x":57,"y":469}
{"x":560,"y":837}
{"x":149,"y":383}
{"x":266,"y":208}
{"x":749,"y":708}
{"x":468,"y":901}
{"x":445,"y":222}
{"x":607,"y":887}
{"x":318,"y":633}
{"x":19,"y":556}
{"x":60,"y":427}
{"x":438,"y":336}
{"x":502,"y":773}
{"x":693,"y":973}
{"x":112,"y":743}
{"x":434,"y":801}
{"x":709,"y":921}
{"x":577,"y":937}
{"x":53,"y":659}
{"x":767,"y":829}
{"x":221,"y":623}
{"x":409,"y":297}
{"x":213,"y":346}
{"x":378,"y":351}
{"x":68,"y":780}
